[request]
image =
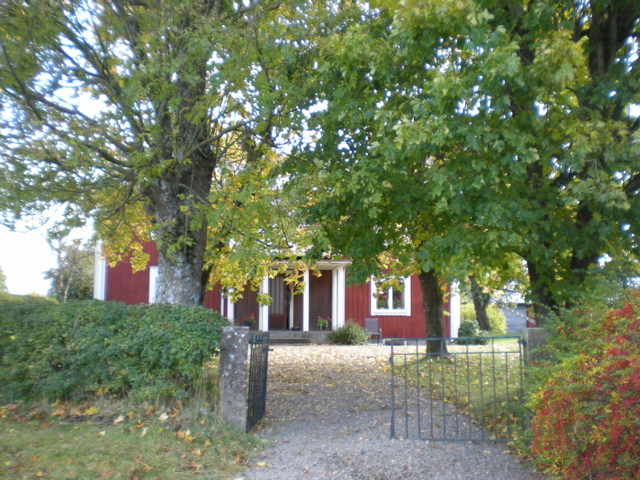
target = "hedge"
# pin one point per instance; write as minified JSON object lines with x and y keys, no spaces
{"x":77,"y":349}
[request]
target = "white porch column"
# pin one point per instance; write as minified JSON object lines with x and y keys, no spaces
{"x":263,"y":314}
{"x":341,"y":297}
{"x":335,"y":299}
{"x":231,"y":310}
{"x":305,"y":302}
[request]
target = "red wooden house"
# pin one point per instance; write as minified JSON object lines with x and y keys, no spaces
{"x":400,"y":314}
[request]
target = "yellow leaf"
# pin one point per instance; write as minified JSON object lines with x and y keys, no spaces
{"x":118,"y":420}
{"x":261,"y":464}
{"x":91,"y":411}
{"x":207,"y":443}
{"x":102,"y":433}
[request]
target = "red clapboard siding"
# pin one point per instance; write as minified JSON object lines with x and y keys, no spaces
{"x":123,"y":285}
{"x":358,"y":307}
{"x":212,"y":299}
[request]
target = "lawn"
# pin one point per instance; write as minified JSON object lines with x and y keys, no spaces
{"x":104,"y":440}
{"x":483,"y":381}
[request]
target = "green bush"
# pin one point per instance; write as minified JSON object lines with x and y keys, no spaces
{"x":586,"y":400}
{"x":350,"y":334}
{"x":497,"y":319}
{"x":470,"y":333}
{"x":76,"y":349}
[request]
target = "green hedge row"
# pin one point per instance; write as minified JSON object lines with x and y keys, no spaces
{"x":76,"y":349}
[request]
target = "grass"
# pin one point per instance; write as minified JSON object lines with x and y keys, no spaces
{"x":117,"y":439}
{"x":65,"y":442}
{"x":483,"y":381}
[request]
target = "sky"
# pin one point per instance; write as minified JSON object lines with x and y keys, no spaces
{"x":24,"y":258}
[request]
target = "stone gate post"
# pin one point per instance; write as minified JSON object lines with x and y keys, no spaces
{"x":232,"y":376}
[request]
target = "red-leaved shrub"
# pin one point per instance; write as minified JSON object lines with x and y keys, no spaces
{"x":587,"y":414}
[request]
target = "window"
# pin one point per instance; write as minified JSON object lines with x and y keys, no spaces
{"x":391,"y":301}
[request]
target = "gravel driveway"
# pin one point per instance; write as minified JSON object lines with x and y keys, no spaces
{"x":328,"y":417}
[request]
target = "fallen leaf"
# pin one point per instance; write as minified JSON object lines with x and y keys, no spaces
{"x":59,"y":411}
{"x":102,"y":433}
{"x":107,"y":474}
{"x":163,"y":417}
{"x":119,"y":420}
{"x":190,"y":466}
{"x":147,"y":468}
{"x":91,"y":411}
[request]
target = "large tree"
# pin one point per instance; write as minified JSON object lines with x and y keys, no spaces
{"x":457,"y":133}
{"x":149,"y":115}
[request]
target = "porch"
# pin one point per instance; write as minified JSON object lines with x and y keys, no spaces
{"x":322,"y":296}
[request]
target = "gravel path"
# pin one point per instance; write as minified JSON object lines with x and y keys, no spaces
{"x":328,"y":417}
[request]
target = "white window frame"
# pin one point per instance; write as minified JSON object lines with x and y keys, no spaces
{"x":396,"y":312}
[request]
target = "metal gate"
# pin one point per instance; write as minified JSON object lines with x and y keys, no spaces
{"x":472,"y":392}
{"x":257,"y":392}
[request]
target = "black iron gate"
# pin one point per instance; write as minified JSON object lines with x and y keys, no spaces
{"x":257,"y":392}
{"x":473,"y":392}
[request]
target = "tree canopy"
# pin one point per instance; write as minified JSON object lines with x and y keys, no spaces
{"x":156,"y":118}
{"x":440,"y":138}
{"x":458,"y":133}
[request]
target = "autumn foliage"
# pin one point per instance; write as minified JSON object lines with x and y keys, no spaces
{"x":586,"y":416}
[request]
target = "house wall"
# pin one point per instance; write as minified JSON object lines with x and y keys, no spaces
{"x":358,"y":307}
{"x":123,"y":285}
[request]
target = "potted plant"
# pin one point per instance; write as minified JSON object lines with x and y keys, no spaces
{"x":250,"y":320}
{"x":323,"y":322}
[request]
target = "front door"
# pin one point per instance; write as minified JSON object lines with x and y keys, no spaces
{"x":278,"y":308}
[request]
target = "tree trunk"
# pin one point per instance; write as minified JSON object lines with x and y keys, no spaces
{"x":543,"y":302}
{"x":432,"y":303}
{"x":179,"y":195}
{"x":480,"y":302}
